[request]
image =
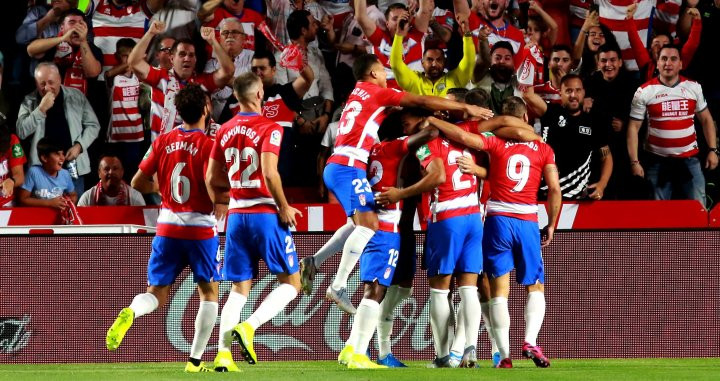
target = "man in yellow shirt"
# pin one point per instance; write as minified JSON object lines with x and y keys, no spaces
{"x":434,"y":81}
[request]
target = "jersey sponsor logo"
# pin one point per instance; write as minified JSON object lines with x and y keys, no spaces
{"x":147,"y":154}
{"x":271,"y":111}
{"x":585,"y":130}
{"x":17,"y":151}
{"x":275,"y":138}
{"x":423,"y":152}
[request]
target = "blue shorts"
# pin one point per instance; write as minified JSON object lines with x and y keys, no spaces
{"x":171,"y":255}
{"x":512,"y":243}
{"x":405,"y":270}
{"x":351,"y":187}
{"x":380,"y":258}
{"x":255,"y":236}
{"x":454,"y":245}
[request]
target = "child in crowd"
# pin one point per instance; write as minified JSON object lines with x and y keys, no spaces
{"x":540,"y":35}
{"x":48,"y":184}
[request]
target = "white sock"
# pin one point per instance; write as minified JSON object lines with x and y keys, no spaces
{"x":534,"y":315}
{"x":354,"y":246}
{"x":272,"y":305}
{"x":335,"y":243}
{"x":458,"y":339}
{"x":471,"y":313}
{"x":204,"y":323}
{"x":229,"y":318}
{"x":143,"y":304}
{"x":439,"y":315}
{"x":393,"y":297}
{"x":485,"y":307}
{"x":500,"y":318}
{"x":365,"y":322}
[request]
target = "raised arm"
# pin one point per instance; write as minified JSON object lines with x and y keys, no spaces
{"x":483,"y":62}
{"x":687,"y":19}
{"x":39,"y":47}
{"x":464,"y":71}
{"x":206,"y":12}
{"x":693,"y":40}
{"x":462,"y":9}
{"x":424,"y":15}
{"x":642,"y":57}
{"x":549,"y":21}
{"x":302,"y":84}
{"x":406,"y":78}
{"x":361,"y":16}
{"x":441,"y":104}
{"x":536,"y":104}
{"x":286,"y":212}
{"x":554,"y":202}
{"x":224,"y":74}
{"x":136,"y":59}
{"x":91,"y":66}
{"x":592,"y":19}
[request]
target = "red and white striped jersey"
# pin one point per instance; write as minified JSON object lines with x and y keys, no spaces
{"x":240,"y":143}
{"x":532,"y":66}
{"x":613,"y":13}
{"x":111,"y":23}
{"x":671,"y":111}
{"x":383,"y":171}
{"x":69,"y":60}
{"x":508,"y":33}
{"x":548,"y":92}
{"x":457,"y":196}
{"x":163,"y":101}
{"x":360,"y":121}
{"x":515,"y":173}
{"x":413,"y":47}
{"x":126,"y":124}
{"x":180,"y":159}
{"x":578,"y":11}
{"x":249,"y":19}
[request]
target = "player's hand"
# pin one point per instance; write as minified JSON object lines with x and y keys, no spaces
{"x":389,"y":196}
{"x":466,"y":164}
{"x":208,"y":34}
{"x":7,"y":187}
{"x":587,"y":104}
{"x":403,"y":26}
{"x":694,"y":13}
{"x":617,"y":124}
{"x":287,"y":215}
{"x":598,"y":191}
{"x":484,"y":33}
{"x":630,"y":11}
{"x":546,"y":235}
{"x":712,"y":160}
{"x":73,"y":152}
{"x":156,"y":28}
{"x":637,"y":170}
{"x":463,"y":24}
{"x":592,"y":19}
{"x":82,"y":30}
{"x":58,"y":203}
{"x":47,"y":101}
{"x":478,"y":112}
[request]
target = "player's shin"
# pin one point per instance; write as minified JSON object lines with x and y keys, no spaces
{"x":229,"y":318}
{"x":393,"y":297}
{"x":500,"y":319}
{"x":534,"y":316}
{"x":485,"y":308}
{"x":335,"y":243}
{"x":272,"y":305}
{"x":439,"y":315}
{"x":204,"y":323}
{"x":354,"y":246}
{"x":365,"y":323}
{"x":143,"y":304}
{"x":470,"y":307}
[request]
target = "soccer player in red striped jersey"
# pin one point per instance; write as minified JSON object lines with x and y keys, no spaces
{"x":186,"y":234}
{"x":244,"y":161}
{"x":345,"y":174}
{"x":512,"y":238}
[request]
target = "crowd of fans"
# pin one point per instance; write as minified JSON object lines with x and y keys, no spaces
{"x":617,"y":88}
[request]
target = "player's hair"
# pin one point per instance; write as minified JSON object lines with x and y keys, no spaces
{"x":541,"y":24}
{"x":296,"y":22}
{"x":127,"y":43}
{"x":227,"y":20}
{"x":459,"y":93}
{"x":72,"y":12}
{"x":363,"y":64}
{"x":264,"y":54}
{"x":244,"y":85}
{"x":502,"y":45}
{"x":609,"y":48}
{"x":181,"y":41}
{"x":190,"y":103}
{"x":561,"y":48}
{"x":393,"y":7}
{"x":433,"y":46}
{"x":478,"y":97}
{"x":671,"y":46}
{"x":514,"y":106}
{"x":570,"y":77}
{"x":46,"y":146}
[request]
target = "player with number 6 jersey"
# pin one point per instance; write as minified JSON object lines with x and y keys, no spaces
{"x":244,"y":161}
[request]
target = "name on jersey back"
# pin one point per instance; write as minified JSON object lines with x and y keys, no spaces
{"x":174,"y":146}
{"x":533,"y":145}
{"x":241,"y":130}
{"x":360,"y":93}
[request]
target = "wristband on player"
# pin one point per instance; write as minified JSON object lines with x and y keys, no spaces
{"x":715,"y":150}
{"x":634,"y":162}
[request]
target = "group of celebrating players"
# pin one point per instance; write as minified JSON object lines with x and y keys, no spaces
{"x":237,"y":172}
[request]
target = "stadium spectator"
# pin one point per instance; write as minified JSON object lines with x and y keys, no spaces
{"x":703,"y":67}
{"x":111,"y":190}
{"x":215,"y":11}
{"x":169,"y":82}
{"x":42,"y":21}
{"x":278,"y":12}
{"x":609,"y":91}
{"x":76,"y":57}
{"x":490,"y":14}
{"x":180,"y":17}
{"x":434,"y":80}
{"x":12,"y":159}
{"x":163,"y":57}
{"x":592,"y":36}
{"x":540,"y":35}
{"x":48,"y":184}
{"x":559,"y":65}
{"x":441,"y":21}
{"x":61,"y":114}
{"x":281,"y":104}
{"x":232,"y":39}
{"x":671,"y":102}
{"x":125,"y":133}
{"x":317,"y":105}
{"x":499,"y":79}
{"x":574,"y":136}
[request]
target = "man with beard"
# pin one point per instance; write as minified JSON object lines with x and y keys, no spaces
{"x":434,"y":81}
{"x":574,"y":136}
{"x":499,"y":79}
{"x":491,"y":15}
{"x":111,"y":190}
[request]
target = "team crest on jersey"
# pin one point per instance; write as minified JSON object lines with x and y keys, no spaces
{"x":562,"y":121}
{"x":387,"y":273}
{"x":375,"y":172}
{"x":147,"y":154}
{"x":291,"y":261}
{"x":275,"y":138}
{"x":363,"y":202}
{"x":423,"y":152}
{"x":17,"y":151}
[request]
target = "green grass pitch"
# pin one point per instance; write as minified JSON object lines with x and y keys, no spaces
{"x":583,"y":370}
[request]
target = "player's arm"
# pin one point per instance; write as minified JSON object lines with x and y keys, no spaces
{"x":605,"y":173}
{"x":552,"y":26}
{"x":367,"y":25}
{"x":424,"y":15}
{"x":632,"y":145}
{"x":554,"y":202}
{"x":534,"y":102}
{"x":40,"y":46}
{"x":500,"y":121}
{"x":519,"y":134}
{"x":421,"y":137}
{"x":468,"y":165}
{"x":143,"y":182}
{"x":136,"y":58}
{"x":217,"y":182}
{"x":302,"y":84}
{"x":435,"y":175}
{"x":708,"y":126}
{"x":463,"y":72}
{"x":457,"y":134}
{"x":224,"y":74}
{"x":286,"y":212}
{"x":434,"y":103}
{"x":207,"y":12}
{"x":461,"y":9}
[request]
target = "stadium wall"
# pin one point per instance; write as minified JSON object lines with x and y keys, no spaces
{"x":609,"y":294}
